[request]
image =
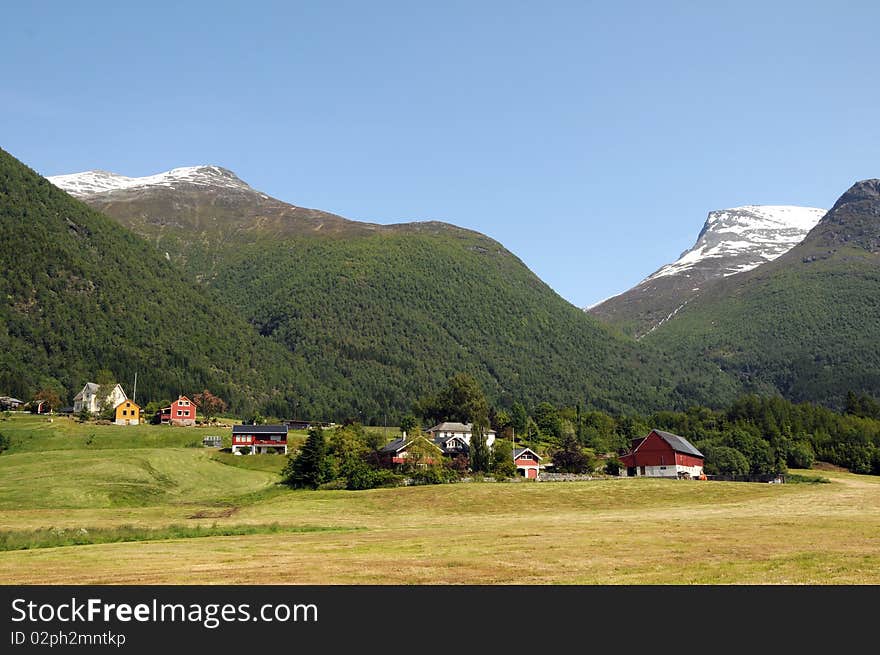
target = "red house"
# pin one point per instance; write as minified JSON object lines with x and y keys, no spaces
{"x":181,"y":412}
{"x":527,"y":462}
{"x":396,"y":452}
{"x":259,"y":439}
{"x":663,"y":455}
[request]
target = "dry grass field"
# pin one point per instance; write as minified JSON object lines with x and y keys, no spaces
{"x":646,"y":532}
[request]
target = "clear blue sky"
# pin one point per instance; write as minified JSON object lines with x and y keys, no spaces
{"x":589,"y":138}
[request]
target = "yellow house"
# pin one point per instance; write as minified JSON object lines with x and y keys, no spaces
{"x":128,"y":413}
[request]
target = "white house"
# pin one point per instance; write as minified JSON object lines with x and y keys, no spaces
{"x":90,"y":395}
{"x":447,"y":434}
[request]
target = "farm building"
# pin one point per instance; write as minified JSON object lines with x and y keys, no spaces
{"x":90,"y":396}
{"x":259,"y":439}
{"x":662,"y":455}
{"x":8,"y":403}
{"x":398,"y":451}
{"x":127,"y":412}
{"x":528,"y":462}
{"x":181,"y":412}
{"x":447,"y":432}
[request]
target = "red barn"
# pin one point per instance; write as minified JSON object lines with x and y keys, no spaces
{"x":663,"y":455}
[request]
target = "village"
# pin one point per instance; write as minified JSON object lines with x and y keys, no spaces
{"x":657,"y":454}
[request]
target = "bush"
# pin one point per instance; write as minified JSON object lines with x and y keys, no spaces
{"x":334,"y":485}
{"x":433,"y":475}
{"x":724,"y":460}
{"x":4,"y":442}
{"x":613,"y":466}
{"x":800,"y":455}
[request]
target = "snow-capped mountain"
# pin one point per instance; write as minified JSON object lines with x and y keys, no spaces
{"x":89,"y":183}
{"x":739,"y":239}
{"x":731,"y":241}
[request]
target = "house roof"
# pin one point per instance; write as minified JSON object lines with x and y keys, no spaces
{"x":519,"y":451}
{"x":90,"y":387}
{"x":10,"y":399}
{"x":259,"y":429}
{"x":451,"y":426}
{"x":678,"y":444}
{"x":395,"y":445}
{"x":127,"y":400}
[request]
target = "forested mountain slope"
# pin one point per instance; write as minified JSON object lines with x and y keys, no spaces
{"x":808,"y":323}
{"x":381,"y":314}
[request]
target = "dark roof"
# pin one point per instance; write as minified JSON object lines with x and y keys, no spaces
{"x":394,"y":446}
{"x":678,"y":444}
{"x":259,"y":429}
{"x":519,"y":451}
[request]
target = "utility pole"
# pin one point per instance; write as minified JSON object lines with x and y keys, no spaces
{"x":134,"y":391}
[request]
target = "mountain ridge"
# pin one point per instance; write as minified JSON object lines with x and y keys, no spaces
{"x":383,"y":313}
{"x":731,"y":241}
{"x":805,"y":325}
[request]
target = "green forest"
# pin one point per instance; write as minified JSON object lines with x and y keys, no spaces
{"x":80,"y":294}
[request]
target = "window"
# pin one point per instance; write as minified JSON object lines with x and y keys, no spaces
{"x":186,"y":413}
{"x":179,"y":413}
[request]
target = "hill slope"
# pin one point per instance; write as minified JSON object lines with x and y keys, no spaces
{"x":381,"y":314}
{"x":806,"y":324}
{"x":80,"y":293}
{"x":732,"y":241}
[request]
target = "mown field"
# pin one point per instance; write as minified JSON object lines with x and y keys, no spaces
{"x":159,"y":512}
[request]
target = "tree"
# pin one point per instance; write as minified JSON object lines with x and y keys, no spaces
{"x":725,"y":460}
{"x":310,"y":468}
{"x":800,"y":455}
{"x":571,"y":457}
{"x":479,"y":451}
{"x":533,"y":434}
{"x":548,"y":421}
{"x":518,"y":418}
{"x":503,"y":465}
{"x":461,"y":400}
{"x":407,"y":423}
{"x":209,"y":404}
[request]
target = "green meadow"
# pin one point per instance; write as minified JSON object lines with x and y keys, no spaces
{"x":82,"y":503}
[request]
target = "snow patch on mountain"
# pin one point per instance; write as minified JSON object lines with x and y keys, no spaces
{"x":90,"y":183}
{"x":739,"y":239}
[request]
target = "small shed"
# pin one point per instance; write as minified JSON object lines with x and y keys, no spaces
{"x":528,"y":462}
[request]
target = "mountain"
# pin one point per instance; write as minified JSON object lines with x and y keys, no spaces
{"x":382,"y":314}
{"x":805,"y":325}
{"x":731,"y":241}
{"x":80,"y":293}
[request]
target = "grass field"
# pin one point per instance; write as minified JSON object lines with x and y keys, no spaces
{"x":156,"y":506}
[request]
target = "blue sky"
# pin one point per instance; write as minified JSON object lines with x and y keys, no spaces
{"x":589,"y":138}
